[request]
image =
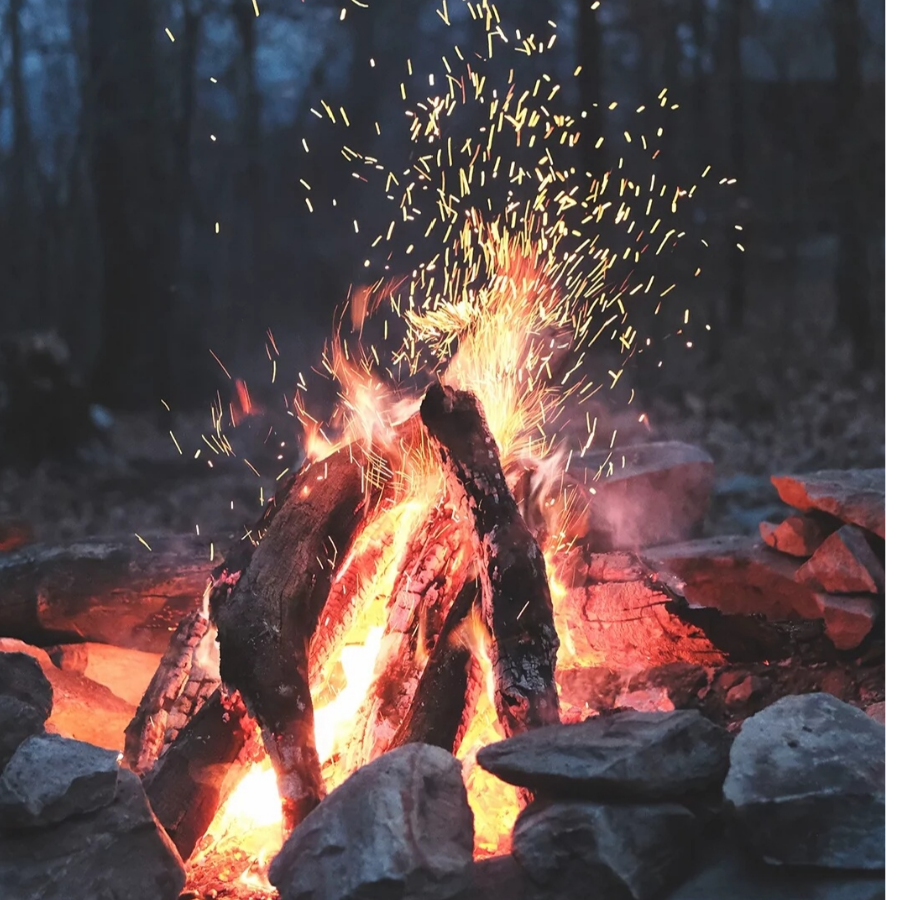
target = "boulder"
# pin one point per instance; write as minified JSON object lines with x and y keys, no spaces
{"x":806,"y":784}
{"x":844,"y":564}
{"x":397,"y":828}
{"x":654,"y":494}
{"x":797,"y":535}
{"x":848,"y":619}
{"x":117,"y":852}
{"x":855,"y":496}
{"x":596,"y":850}
{"x":626,"y":755}
{"x":51,"y":778}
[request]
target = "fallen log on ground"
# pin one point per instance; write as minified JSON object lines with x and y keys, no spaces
{"x":114,"y":591}
{"x":516,"y":600}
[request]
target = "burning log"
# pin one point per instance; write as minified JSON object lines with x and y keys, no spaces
{"x":266,"y":622}
{"x":200,"y":768}
{"x":113,"y":592}
{"x":516,"y":594}
{"x":437,"y":712}
{"x":146,"y":733}
{"x":433,"y":571}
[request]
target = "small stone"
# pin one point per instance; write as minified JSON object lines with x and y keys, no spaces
{"x":796,"y":535}
{"x":399,"y":827}
{"x":844,"y":564}
{"x":624,"y":755}
{"x":21,"y":677}
{"x":51,"y":778}
{"x":876,"y":712}
{"x":745,"y":691}
{"x":855,"y":496}
{"x":848,"y":619}
{"x":807,"y":784}
{"x":119,"y":851}
{"x":594,"y":850}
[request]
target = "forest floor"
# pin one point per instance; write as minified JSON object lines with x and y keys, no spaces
{"x":789,"y":409}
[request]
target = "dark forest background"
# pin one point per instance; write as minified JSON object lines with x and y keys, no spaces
{"x":121,"y":149}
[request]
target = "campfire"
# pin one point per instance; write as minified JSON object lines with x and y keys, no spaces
{"x":465,"y":576}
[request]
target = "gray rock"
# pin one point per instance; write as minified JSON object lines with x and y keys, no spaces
{"x":18,"y":721}
{"x":844,"y":564}
{"x":797,"y":535}
{"x":807,"y":784}
{"x":595,"y":850}
{"x":727,"y":873}
{"x":51,"y":778}
{"x":659,"y":494}
{"x":21,"y":677}
{"x":118,"y":852}
{"x":855,"y":496}
{"x":627,"y":755}
{"x":399,"y":827}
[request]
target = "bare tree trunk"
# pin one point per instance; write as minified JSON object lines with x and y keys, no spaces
{"x":130,"y":190}
{"x":852,"y":276}
{"x":735,"y":15}
{"x":20,"y":249}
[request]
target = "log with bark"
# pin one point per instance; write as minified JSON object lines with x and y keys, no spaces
{"x":266,"y":622}
{"x":110,"y":591}
{"x":198,"y":771}
{"x":516,"y":599}
{"x":436,"y":714}
{"x":432,"y":572}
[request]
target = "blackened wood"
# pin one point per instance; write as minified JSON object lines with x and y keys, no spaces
{"x":516,"y":595}
{"x":145,"y":733}
{"x":439,"y":704}
{"x":195,"y":775}
{"x":112,"y":591}
{"x":267,"y":621}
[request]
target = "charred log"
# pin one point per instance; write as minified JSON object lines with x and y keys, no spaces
{"x":145,"y":734}
{"x":516,"y":594}
{"x":439,"y":705}
{"x":431,"y":574}
{"x":113,"y":592}
{"x":195,"y":775}
{"x":266,"y":622}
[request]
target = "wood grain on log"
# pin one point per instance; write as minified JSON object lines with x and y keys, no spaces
{"x":516,"y":594}
{"x":267,"y":621}
{"x":145,"y":736}
{"x":195,"y":775}
{"x":111,"y":591}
